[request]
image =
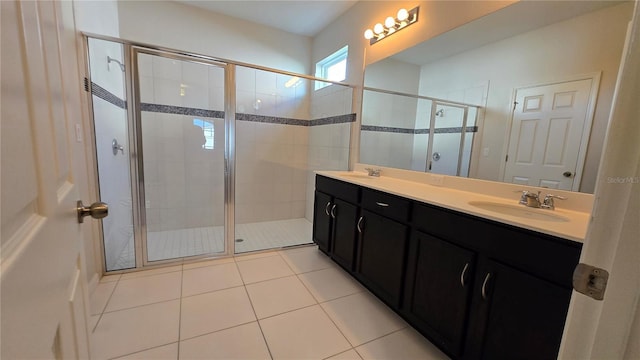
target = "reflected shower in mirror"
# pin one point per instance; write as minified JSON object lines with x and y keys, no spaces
{"x":534,"y":81}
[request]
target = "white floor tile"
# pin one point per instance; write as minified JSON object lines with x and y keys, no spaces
{"x":205,"y":313}
{"x":303,"y":334}
{"x":404,"y":344}
{"x":362,"y":318}
{"x":347,"y":355}
{"x":203,"y":263}
{"x":277,"y":296}
{"x":110,"y":278}
{"x":127,"y":331}
{"x":240,"y":342}
{"x":93,"y":321}
{"x":306,"y":259}
{"x":166,"y":352}
{"x":329,"y":284}
{"x":210,"y":278}
{"x":251,"y":256}
{"x":161,"y":270}
{"x":263,"y":269}
{"x":145,"y":290}
{"x":100,"y":296}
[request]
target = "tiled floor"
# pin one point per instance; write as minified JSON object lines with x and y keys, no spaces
{"x":290,"y":304}
{"x":179,"y":243}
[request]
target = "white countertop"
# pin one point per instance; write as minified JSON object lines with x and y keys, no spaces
{"x":573,"y":228}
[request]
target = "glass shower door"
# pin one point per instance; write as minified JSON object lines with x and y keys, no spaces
{"x":447,"y":129}
{"x":182,"y":133}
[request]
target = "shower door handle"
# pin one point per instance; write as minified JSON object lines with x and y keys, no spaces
{"x":97,"y":210}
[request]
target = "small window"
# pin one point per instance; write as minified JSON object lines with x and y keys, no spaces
{"x":208,"y":132}
{"x":333,"y":67}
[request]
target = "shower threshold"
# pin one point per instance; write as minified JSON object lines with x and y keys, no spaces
{"x":180,"y":243}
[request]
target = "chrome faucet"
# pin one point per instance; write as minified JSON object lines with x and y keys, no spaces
{"x":547,"y":203}
{"x":373,"y":172}
{"x":532,"y":199}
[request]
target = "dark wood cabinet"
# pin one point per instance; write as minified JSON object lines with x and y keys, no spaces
{"x":478,"y":289}
{"x":382,"y":250}
{"x":516,"y":315}
{"x":334,"y":220}
{"x":438,"y":289}
{"x":322,"y":220}
{"x":345,"y":217}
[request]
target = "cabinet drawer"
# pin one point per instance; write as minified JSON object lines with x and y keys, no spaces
{"x":339,"y":189}
{"x":387,"y":205}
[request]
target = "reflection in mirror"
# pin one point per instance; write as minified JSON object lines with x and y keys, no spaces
{"x":535,"y":79}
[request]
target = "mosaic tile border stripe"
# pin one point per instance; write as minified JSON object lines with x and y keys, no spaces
{"x":107,"y":96}
{"x":103,"y":94}
{"x":449,"y":130}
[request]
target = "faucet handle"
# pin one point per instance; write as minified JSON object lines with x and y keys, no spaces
{"x":547,"y":203}
{"x":523,"y":197}
{"x":373,"y":172}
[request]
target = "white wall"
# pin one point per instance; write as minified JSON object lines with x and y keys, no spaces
{"x":582,"y":45}
{"x":183,"y":27}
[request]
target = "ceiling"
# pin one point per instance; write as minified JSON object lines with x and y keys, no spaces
{"x":299,"y":17}
{"x":512,"y":20}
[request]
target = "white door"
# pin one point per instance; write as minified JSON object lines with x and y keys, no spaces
{"x":43,"y":288}
{"x":549,"y":129}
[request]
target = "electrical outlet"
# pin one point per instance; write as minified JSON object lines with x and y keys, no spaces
{"x":485,"y":151}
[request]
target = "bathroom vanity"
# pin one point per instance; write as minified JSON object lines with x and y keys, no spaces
{"x":478,"y":281}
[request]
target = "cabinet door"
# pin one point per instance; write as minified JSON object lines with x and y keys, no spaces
{"x":522,"y":316}
{"x":344,"y":233}
{"x":382,"y":253}
{"x":322,"y":221}
{"x":439,"y":295}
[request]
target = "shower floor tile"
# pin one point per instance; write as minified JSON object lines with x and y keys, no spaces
{"x":172,"y":244}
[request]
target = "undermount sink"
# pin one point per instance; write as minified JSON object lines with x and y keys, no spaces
{"x":357,"y":175}
{"x":519,"y":211}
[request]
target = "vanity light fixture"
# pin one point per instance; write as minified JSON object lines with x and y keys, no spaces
{"x":391,"y":25}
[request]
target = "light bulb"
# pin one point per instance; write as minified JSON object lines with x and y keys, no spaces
{"x":368,"y":34}
{"x":390,"y":22}
{"x":378,"y":28}
{"x":403,"y":14}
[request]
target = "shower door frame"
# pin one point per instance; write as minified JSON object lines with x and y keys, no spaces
{"x":432,"y":132}
{"x":135,"y":127}
{"x":230,"y":137}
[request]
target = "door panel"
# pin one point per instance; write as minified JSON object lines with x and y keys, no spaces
{"x":42,"y":163}
{"x":546,"y":134}
{"x":322,"y":221}
{"x":382,"y":252}
{"x":442,"y":288}
{"x":343,"y":247}
{"x":183,"y":137}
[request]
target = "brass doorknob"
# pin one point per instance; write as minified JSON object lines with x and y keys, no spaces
{"x":567,"y":174}
{"x":97,"y":210}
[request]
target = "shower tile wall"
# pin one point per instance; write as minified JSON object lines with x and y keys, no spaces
{"x":328,"y":143}
{"x":184,"y":182}
{"x":392,"y":146}
{"x":272,"y":137}
{"x":110,"y":122}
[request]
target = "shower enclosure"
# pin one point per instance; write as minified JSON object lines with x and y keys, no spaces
{"x":416,"y":132}
{"x":201,"y":157}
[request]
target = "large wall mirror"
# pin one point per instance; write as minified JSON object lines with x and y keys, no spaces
{"x":522,"y":95}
